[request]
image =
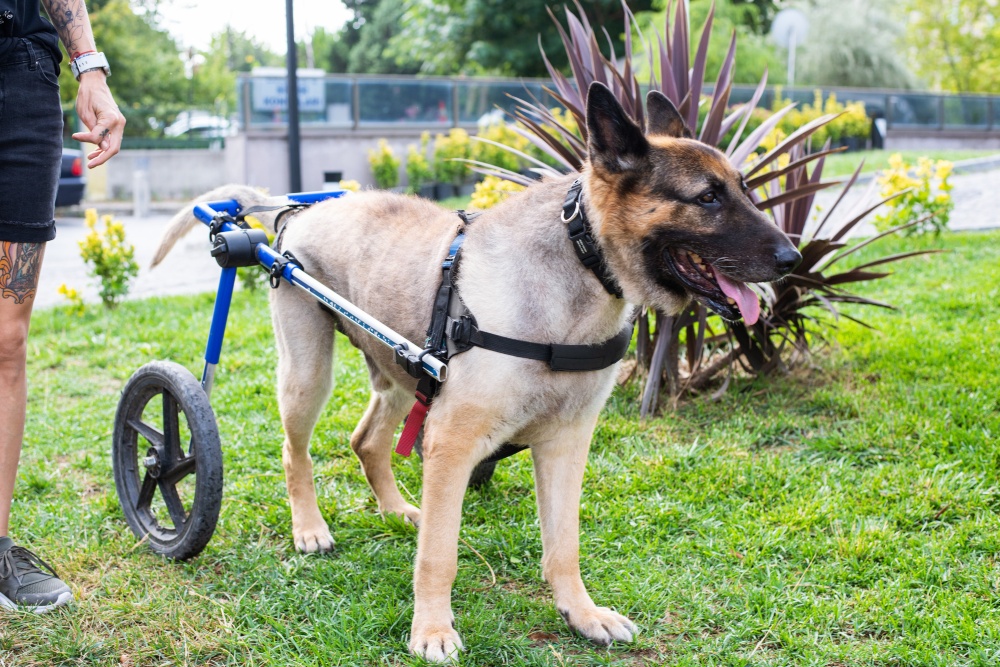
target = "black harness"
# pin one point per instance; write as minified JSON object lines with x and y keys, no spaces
{"x":453,"y":328}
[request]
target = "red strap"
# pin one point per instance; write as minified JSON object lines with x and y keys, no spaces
{"x":413,"y":423}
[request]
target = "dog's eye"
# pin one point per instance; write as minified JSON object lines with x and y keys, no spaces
{"x":708,"y":198}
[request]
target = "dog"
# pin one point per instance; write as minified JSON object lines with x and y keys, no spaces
{"x":673,"y":221}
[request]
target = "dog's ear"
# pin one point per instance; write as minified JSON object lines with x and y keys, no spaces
{"x":663,"y":119}
{"x":616,"y":143}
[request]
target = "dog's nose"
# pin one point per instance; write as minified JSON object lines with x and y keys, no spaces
{"x":786,"y":259}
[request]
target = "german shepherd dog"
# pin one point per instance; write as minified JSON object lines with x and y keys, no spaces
{"x":673,"y":221}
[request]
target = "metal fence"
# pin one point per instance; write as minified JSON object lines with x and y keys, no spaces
{"x":341,"y":101}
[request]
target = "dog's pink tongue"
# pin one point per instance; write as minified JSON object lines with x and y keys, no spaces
{"x":745,"y":298}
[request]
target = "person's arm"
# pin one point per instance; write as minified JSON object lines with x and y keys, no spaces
{"x":94,"y":103}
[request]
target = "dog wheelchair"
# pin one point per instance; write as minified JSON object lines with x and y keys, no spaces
{"x":182,"y":461}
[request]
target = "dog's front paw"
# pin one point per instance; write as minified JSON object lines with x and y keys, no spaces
{"x":436,"y":644}
{"x":600,"y":625}
{"x":313,"y":540}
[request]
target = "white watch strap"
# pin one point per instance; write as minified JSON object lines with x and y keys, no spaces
{"x":88,"y":62}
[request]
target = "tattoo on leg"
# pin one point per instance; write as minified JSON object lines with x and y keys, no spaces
{"x":19,"y":265}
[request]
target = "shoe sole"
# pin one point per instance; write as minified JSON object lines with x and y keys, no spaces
{"x":63,"y":599}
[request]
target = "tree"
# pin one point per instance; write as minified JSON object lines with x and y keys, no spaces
{"x":494,"y":36}
{"x":148,"y":74}
{"x":361,"y":45}
{"x":853,"y":43}
{"x":756,"y":51}
{"x":954,"y":44}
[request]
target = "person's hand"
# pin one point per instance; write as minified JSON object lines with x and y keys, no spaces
{"x":98,"y":111}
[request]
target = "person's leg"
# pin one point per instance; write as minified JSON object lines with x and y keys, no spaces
{"x":20,"y":264}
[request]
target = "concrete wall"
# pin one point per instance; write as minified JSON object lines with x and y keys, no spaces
{"x":260,"y":157}
{"x":172,"y":174}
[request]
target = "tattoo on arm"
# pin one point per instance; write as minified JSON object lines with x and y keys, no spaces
{"x":72,"y":23}
{"x":19,"y":265}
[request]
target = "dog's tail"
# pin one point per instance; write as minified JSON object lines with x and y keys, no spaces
{"x":182,"y":223}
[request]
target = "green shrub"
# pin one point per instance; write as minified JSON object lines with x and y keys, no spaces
{"x":418,"y":167}
{"x":109,"y":258}
{"x":385,"y":166}
{"x":449,"y":151}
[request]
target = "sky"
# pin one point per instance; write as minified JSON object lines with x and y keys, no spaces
{"x":193,"y":23}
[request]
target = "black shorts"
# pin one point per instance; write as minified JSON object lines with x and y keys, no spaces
{"x":31,"y":126}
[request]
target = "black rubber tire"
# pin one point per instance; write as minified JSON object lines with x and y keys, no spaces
{"x":481,"y":474}
{"x":190,"y":527}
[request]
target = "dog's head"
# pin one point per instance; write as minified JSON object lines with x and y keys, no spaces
{"x":675,"y":219}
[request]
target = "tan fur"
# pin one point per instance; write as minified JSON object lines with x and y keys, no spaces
{"x":520,"y":278}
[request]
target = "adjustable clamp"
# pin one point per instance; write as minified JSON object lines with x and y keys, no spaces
{"x":277,"y":270}
{"x":237,"y":248}
{"x":412,"y":363}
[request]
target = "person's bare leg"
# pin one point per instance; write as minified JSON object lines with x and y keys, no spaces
{"x":20,"y":264}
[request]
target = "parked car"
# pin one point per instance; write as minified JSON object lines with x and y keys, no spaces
{"x":71,"y":179}
{"x":200,"y":125}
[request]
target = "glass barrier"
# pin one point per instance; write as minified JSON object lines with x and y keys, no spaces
{"x":322,"y":101}
{"x":404,"y":102}
{"x":482,"y":102}
{"x":971,"y":113}
{"x":344,"y":102}
{"x":915,"y":111}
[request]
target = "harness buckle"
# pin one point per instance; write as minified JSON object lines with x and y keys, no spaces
{"x":462,"y":330}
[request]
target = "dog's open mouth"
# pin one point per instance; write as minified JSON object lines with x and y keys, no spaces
{"x":729,"y":298}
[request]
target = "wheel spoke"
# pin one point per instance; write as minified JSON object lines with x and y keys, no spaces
{"x":146,"y":491}
{"x":178,"y":471}
{"x":174,"y":505}
{"x":151,"y":435}
{"x":171,"y":430}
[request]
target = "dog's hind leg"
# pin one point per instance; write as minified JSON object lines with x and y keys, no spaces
{"x":304,"y":334}
{"x":372,"y":442}
{"x":559,"y":467}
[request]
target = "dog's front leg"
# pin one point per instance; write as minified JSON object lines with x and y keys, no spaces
{"x":559,"y":468}
{"x":448,"y":462}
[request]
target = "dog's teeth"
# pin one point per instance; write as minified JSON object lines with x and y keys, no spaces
{"x":695,"y":258}
{"x":731,"y":300}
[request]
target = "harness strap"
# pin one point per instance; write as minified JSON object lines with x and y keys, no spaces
{"x":559,"y":357}
{"x":427,"y":389}
{"x":583,"y":239}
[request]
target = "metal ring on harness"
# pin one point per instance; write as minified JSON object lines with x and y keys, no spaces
{"x":576,"y":212}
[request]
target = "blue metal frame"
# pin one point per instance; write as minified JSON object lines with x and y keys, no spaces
{"x":294,"y":274}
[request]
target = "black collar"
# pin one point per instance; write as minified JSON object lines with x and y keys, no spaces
{"x":575,"y":217}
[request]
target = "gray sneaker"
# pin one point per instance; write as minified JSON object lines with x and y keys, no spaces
{"x":28,"y":583}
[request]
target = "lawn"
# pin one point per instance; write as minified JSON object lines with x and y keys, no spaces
{"x":845,"y":514}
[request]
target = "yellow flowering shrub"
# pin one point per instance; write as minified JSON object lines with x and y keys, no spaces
{"x":491,"y":191}
{"x":385,"y":165}
{"x":109,"y":257}
{"x":926,"y":194}
{"x":350,"y":185}
{"x":74,"y":297}
{"x":449,"y":150}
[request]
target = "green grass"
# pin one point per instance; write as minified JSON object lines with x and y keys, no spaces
{"x":845,"y":514}
{"x":844,"y":164}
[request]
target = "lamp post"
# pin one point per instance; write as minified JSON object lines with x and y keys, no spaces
{"x":294,"y":140}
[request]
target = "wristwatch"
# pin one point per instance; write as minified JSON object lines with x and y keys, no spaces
{"x":87,"y":62}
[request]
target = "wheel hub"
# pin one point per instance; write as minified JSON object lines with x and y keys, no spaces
{"x":152,"y":462}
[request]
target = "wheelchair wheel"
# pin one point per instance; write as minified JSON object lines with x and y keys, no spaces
{"x":481,"y":474}
{"x":168,"y":460}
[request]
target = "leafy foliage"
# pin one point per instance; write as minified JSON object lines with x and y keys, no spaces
{"x":923,"y":192}
{"x":954,"y":45}
{"x":385,"y":165}
{"x":491,"y":191}
{"x":109,"y":258}
{"x":450,"y":153}
{"x":854,"y":43}
{"x":685,"y":352}
{"x":418,"y":168}
{"x":488,"y":36}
